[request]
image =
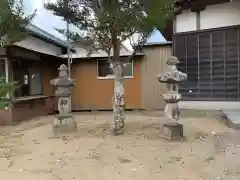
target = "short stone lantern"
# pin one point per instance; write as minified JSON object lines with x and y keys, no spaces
{"x":63,"y":122}
{"x":173,"y":130}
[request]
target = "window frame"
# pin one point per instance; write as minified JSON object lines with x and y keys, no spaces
{"x":112,"y":77}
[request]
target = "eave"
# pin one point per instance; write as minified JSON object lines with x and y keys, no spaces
{"x":45,"y":36}
{"x":194,"y":6}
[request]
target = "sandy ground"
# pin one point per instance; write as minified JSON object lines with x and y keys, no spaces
{"x":29,"y":151}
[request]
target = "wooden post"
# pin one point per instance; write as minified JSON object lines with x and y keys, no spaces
{"x":6,"y":69}
{"x":8,"y":72}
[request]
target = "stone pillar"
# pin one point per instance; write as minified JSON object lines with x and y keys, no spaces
{"x":63,"y":122}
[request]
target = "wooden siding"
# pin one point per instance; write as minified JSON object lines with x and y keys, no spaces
{"x":91,"y":93}
{"x":49,"y":72}
{"x":153,"y":63}
{"x":47,"y":75}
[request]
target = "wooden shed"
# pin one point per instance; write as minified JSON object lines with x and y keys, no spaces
{"x":95,"y":83}
{"x":153,"y":63}
{"x":94,"y":91}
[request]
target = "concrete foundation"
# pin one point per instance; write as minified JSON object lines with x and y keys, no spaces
{"x":233,"y":118}
{"x":209,"y":105}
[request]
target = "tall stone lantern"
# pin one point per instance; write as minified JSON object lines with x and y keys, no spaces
{"x":63,"y":122}
{"x":172,"y":77}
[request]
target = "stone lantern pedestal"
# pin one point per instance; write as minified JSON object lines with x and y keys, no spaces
{"x":63,"y":122}
{"x":172,"y":129}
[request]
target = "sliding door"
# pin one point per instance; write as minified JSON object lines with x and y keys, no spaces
{"x":211,"y":60}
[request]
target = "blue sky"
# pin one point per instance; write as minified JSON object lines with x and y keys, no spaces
{"x":156,"y":37}
{"x":47,"y":21}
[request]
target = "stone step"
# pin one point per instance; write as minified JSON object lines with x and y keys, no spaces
{"x":233,"y":118}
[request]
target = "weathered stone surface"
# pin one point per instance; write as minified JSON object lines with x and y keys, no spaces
{"x":64,"y":105}
{"x":173,"y":131}
{"x":172,"y":77}
{"x":63,"y":83}
{"x":172,"y":97}
{"x":172,"y":111}
{"x":172,"y":60}
{"x":64,"y":124}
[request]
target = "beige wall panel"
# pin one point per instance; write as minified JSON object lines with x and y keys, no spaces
{"x":152,"y":64}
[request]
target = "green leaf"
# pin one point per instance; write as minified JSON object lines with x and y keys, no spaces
{"x":12,"y":21}
{"x":109,"y":22}
{"x":7,"y":87}
{"x":105,"y":24}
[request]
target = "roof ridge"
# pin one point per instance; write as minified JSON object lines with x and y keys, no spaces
{"x":36,"y":30}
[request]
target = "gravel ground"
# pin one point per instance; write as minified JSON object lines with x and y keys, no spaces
{"x":210,"y":151}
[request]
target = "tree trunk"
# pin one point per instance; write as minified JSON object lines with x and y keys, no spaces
{"x":118,"y":99}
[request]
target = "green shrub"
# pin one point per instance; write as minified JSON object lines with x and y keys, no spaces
{"x":7,"y":88}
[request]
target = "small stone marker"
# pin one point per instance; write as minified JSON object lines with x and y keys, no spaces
{"x":173,"y":130}
{"x":63,"y":122}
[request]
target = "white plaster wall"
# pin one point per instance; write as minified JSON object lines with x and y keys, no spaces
{"x":39,"y":45}
{"x":220,"y":15}
{"x":186,"y":21}
{"x":215,"y":16}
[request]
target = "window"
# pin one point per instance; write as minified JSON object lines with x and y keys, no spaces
{"x":105,"y":71}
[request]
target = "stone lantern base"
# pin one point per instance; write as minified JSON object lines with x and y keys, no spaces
{"x":64,"y":124}
{"x":173,"y":131}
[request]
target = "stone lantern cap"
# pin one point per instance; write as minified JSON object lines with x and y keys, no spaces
{"x":63,"y":83}
{"x":173,"y":75}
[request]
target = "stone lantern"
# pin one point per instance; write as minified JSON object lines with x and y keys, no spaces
{"x":172,"y":77}
{"x":63,"y":122}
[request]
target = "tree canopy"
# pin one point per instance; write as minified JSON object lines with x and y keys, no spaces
{"x":103,"y":22}
{"x":12,"y":21}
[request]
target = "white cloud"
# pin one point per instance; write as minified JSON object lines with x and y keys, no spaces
{"x":44,"y":18}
